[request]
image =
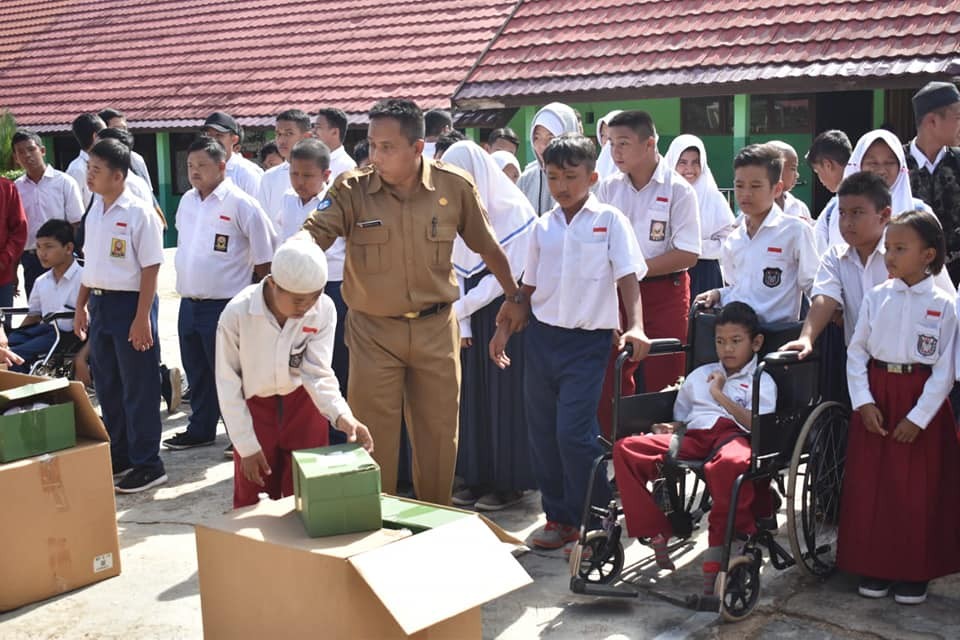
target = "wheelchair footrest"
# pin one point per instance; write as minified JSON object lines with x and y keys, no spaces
{"x":581,"y":586}
{"x":704,"y":603}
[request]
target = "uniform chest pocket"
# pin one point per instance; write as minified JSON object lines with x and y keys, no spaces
{"x":594,"y":261}
{"x":440,"y":244}
{"x":772,"y":272}
{"x":926,"y":342}
{"x":296,"y":357}
{"x":368,"y":250}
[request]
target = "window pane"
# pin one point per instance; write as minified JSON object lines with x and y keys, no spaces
{"x":707,"y":115}
{"x":780,"y":114}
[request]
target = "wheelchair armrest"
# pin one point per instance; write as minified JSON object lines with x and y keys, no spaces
{"x":57,"y":315}
{"x":782,"y":357}
{"x":660,"y":346}
{"x":15,"y":311}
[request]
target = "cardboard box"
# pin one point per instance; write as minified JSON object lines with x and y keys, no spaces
{"x":59,"y":528}
{"x":38,"y":431}
{"x":337,"y":490}
{"x":402,"y":513}
{"x":262,"y":576}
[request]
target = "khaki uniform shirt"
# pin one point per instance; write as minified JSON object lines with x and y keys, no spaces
{"x":398,"y":251}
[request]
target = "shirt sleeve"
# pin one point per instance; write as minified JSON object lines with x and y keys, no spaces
{"x":16,"y":221}
{"x":716,"y":223}
{"x":474,"y":225}
{"x":229,"y":377}
{"x":259,"y":231}
{"x":821,"y":230}
{"x":808,"y":258}
{"x":683,"y":405}
{"x":625,"y":254}
{"x":533,"y":258}
{"x":828,"y":283}
{"x":489,"y":289}
{"x":148,"y":238}
{"x":685,"y":221}
{"x":938,"y":385}
{"x":73,"y":201}
{"x":858,"y":356}
{"x":34,"y":307}
{"x":768,"y":394}
{"x":316,"y":370}
{"x":329,"y":221}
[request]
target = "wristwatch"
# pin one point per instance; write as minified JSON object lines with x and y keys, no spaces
{"x":518,"y":298}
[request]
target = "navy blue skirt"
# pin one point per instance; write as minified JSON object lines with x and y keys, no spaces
{"x":705,"y":276}
{"x":494,"y":450}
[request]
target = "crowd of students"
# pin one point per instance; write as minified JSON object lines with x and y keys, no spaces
{"x":610,"y":247}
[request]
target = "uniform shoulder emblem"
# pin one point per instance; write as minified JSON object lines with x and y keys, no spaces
{"x":324,"y":204}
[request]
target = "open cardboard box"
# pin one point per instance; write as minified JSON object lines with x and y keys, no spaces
{"x":59,"y":528}
{"x":261,"y":575}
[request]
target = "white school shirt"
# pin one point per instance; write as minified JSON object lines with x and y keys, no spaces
{"x":794,"y":206}
{"x":293,"y":213}
{"x":772,"y":269}
{"x":429,"y":150}
{"x":255,"y":356}
{"x":50,"y":296}
{"x":245,"y":174}
{"x":120,"y":243}
{"x":845,"y":279}
{"x":905,"y":325}
{"x":341,"y":162}
{"x":77,"y":169}
{"x":826,"y":230}
{"x":138,"y":166}
{"x":922,"y":160}
{"x":575,"y":267}
{"x":664,"y":213}
{"x":55,"y":196}
{"x":139,"y":187}
{"x":273,"y":184}
{"x":220,"y":240}
{"x":696,"y":408}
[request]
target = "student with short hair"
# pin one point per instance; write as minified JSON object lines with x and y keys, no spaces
{"x":84,"y":129}
{"x":269,"y":156}
{"x":46,"y":194}
{"x":508,"y":163}
{"x":663,"y":211}
{"x":436,"y":122}
{"x":828,"y":157}
{"x":273,"y":373}
{"x":446,"y":141}
{"x":124,"y":250}
{"x":503,"y":139}
{"x":770,"y":259}
{"x":789,"y":203}
{"x":330,"y":128}
{"x":136,"y":183}
{"x":580,"y":253}
{"x":549,"y":122}
{"x":361,"y":154}
{"x":898,"y":517}
{"x":13,"y":233}
{"x":54,"y":291}
{"x":293,"y":125}
{"x":223,"y":128}
{"x":714,"y":404}
{"x":223,"y":236}
{"x":115,"y":119}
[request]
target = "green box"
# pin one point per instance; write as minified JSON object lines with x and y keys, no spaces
{"x":33,"y":433}
{"x":337,"y":490}
{"x":417,"y":516}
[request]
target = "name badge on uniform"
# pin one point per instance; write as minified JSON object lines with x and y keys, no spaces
{"x":926,"y":345}
{"x":220,"y":242}
{"x":658,"y":230}
{"x":118,"y":248}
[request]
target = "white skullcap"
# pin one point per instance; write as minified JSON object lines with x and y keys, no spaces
{"x":299,"y":266}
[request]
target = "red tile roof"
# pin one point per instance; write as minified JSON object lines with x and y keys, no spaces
{"x":655,"y":48}
{"x":172,"y":62}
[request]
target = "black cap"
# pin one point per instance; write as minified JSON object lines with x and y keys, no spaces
{"x":933,"y":96}
{"x":221,"y":121}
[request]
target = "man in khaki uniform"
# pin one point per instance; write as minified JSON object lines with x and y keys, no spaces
{"x":400,"y":217}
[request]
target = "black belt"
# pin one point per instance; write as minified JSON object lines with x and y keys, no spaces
{"x":429,"y":311}
{"x":667,"y":276}
{"x":893,"y":367}
{"x":206,"y":299}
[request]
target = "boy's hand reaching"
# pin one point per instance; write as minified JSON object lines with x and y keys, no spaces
{"x":802,"y":345}
{"x":708,"y":298}
{"x":873,"y":419}
{"x":906,"y":431}
{"x":498,"y":347}
{"x":356,"y":431}
{"x":255,"y":468}
{"x":661,"y":428}
{"x":639,"y":340}
{"x":80,"y":323}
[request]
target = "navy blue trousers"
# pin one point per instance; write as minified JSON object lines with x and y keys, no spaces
{"x":197,"y":326}
{"x":341,"y":357}
{"x":127,"y":379}
{"x":562,"y":383}
{"x":32,"y":269}
{"x":31,"y":343}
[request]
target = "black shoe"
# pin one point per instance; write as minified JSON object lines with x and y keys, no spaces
{"x":140,"y":479}
{"x":228,"y":452}
{"x":120,"y":470}
{"x":910,"y":592}
{"x":767,"y":523}
{"x":184,"y":440}
{"x":874,"y":587}
{"x":166,"y":391}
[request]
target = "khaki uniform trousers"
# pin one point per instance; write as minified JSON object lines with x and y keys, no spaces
{"x":411,"y":366}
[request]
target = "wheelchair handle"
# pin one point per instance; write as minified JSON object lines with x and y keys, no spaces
{"x":57,"y":315}
{"x":782,"y":357}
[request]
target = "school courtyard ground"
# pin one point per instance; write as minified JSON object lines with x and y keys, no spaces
{"x":157,"y":595}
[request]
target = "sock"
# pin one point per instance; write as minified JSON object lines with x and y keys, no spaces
{"x":710,"y":571}
{"x":660,"y":553}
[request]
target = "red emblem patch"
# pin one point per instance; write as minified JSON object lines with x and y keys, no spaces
{"x":310,"y":330}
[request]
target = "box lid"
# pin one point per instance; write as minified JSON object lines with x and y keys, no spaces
{"x":440,"y":573}
{"x":88,"y":423}
{"x":339,"y":459}
{"x":27,"y":391}
{"x":502,"y":535}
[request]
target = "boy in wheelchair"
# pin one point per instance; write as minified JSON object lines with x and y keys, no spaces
{"x":714,"y":406}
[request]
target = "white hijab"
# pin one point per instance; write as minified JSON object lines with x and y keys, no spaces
{"x":510,"y":213}
{"x":606,"y":167}
{"x":504,"y":158}
{"x":900,"y":192}
{"x":714,"y":211}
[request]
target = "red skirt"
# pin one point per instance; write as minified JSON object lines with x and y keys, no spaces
{"x":900,"y":507}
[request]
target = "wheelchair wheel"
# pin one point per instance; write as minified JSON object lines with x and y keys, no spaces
{"x":813,"y":489}
{"x":740,"y":591}
{"x":599,"y":560}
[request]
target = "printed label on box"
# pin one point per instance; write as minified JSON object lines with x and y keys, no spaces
{"x":103,"y":562}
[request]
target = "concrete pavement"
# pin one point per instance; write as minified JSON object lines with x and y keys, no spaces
{"x":157,"y":594}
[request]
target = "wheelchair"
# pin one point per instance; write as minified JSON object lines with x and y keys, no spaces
{"x":804,"y":440}
{"x":58,"y":361}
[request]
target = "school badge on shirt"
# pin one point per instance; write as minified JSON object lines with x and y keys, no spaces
{"x":772,"y":276}
{"x":296,"y":359}
{"x":926,"y":345}
{"x":118,"y":248}
{"x":220,"y":242}
{"x":658,"y":230}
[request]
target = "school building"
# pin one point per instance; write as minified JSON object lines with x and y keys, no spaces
{"x":731,"y":71}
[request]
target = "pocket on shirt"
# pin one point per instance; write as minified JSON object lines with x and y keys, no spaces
{"x":368,"y":250}
{"x":926,"y":343}
{"x":441,"y":245}
{"x":594,"y":260}
{"x":772,"y":273}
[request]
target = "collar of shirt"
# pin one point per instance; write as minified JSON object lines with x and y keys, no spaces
{"x":592,"y":204}
{"x":850,"y":253}
{"x":922,"y":287}
{"x":312,"y":202}
{"x":659,"y":176}
{"x":337,"y":153}
{"x":84,"y":155}
{"x":773,"y":219}
{"x":71,"y":271}
{"x":745,"y":372}
{"x":258,"y":305}
{"x":426,"y":178}
{"x":922,"y":160}
{"x":122,"y":202}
